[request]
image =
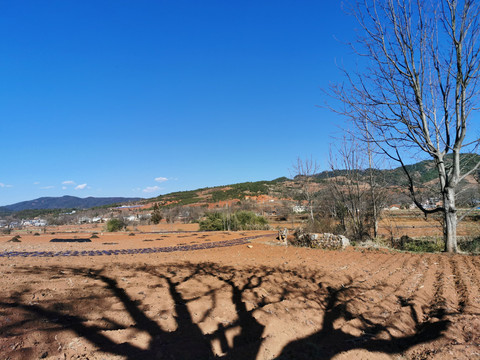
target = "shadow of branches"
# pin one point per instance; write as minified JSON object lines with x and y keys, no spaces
{"x":249,"y":295}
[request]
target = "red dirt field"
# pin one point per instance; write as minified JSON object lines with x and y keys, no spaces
{"x":251,"y":301}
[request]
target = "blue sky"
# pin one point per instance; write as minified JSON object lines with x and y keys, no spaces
{"x":103,"y":98}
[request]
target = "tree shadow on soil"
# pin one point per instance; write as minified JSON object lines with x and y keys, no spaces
{"x":188,"y":341}
{"x":330,"y":341}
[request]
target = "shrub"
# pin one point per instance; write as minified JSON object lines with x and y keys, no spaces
{"x":423,"y":246}
{"x":115,"y":225}
{"x":471,"y":246}
{"x":248,"y":220}
{"x":408,"y":244}
{"x":240,"y":220}
{"x":94,"y":236}
{"x":156,"y":215}
{"x":213,"y":222}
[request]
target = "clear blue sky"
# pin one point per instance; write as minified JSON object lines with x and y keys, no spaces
{"x":100,"y":98}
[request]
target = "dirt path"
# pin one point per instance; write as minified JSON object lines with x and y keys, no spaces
{"x":265,"y":301}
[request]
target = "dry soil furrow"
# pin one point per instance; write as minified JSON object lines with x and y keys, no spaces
{"x":460,"y":287}
{"x":471,"y":279}
{"x":404,"y":315}
{"x":476,"y":263}
{"x":410,"y":278}
{"x":377,"y":298}
{"x":354,"y":268}
{"x":438,"y":303}
{"x":419,"y":275}
{"x":344,"y":262}
{"x":342,"y":267}
{"x":454,"y":291}
{"x":374,"y":268}
{"x":381,"y":302}
{"x":475,"y":268}
{"x":420,"y":295}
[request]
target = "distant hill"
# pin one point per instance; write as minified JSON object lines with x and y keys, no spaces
{"x":66,"y":202}
{"x":222,"y":193}
{"x":422,"y":172}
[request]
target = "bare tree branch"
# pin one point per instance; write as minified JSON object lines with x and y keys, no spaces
{"x":418,"y":88}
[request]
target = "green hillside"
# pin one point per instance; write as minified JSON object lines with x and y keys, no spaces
{"x":221,"y":193}
{"x":421,"y":172}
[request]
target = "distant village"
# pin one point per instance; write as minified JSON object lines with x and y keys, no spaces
{"x":141,"y":214}
{"x":80,"y":217}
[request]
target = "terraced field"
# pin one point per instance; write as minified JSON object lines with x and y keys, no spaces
{"x":251,"y":300}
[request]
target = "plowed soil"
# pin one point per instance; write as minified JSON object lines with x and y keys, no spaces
{"x":255,"y":300}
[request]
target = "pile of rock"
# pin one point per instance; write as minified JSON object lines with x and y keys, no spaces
{"x":320,"y":241}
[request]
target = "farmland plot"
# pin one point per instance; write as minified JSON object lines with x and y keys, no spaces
{"x":255,"y":301}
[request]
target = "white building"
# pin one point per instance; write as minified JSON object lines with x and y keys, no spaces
{"x":298,"y":209}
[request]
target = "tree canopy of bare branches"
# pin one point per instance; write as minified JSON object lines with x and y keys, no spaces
{"x":303,"y":171}
{"x":418,"y":89}
{"x":357,"y":189}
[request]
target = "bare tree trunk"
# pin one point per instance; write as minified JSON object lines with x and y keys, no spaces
{"x":375,"y":221}
{"x":450,"y":220}
{"x":373,"y":192}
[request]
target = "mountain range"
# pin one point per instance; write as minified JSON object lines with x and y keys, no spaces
{"x":66,"y":202}
{"x":423,"y":172}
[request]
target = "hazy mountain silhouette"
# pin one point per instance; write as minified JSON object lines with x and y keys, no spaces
{"x":67,"y":202}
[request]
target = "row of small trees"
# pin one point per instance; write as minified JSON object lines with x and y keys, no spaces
{"x":226,"y":221}
{"x":212,"y":221}
{"x":353,"y":195}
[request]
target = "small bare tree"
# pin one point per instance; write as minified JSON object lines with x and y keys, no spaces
{"x":303,"y":171}
{"x":418,"y":89}
{"x":355,"y":184}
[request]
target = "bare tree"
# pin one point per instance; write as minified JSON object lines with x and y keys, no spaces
{"x":378,"y":193}
{"x":170,"y":214}
{"x":359,"y":194}
{"x":419,"y":88}
{"x":303,"y":171}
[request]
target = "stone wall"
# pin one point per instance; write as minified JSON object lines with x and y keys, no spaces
{"x":320,"y":241}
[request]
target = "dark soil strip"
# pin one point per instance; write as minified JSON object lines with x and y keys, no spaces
{"x":70,"y":240}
